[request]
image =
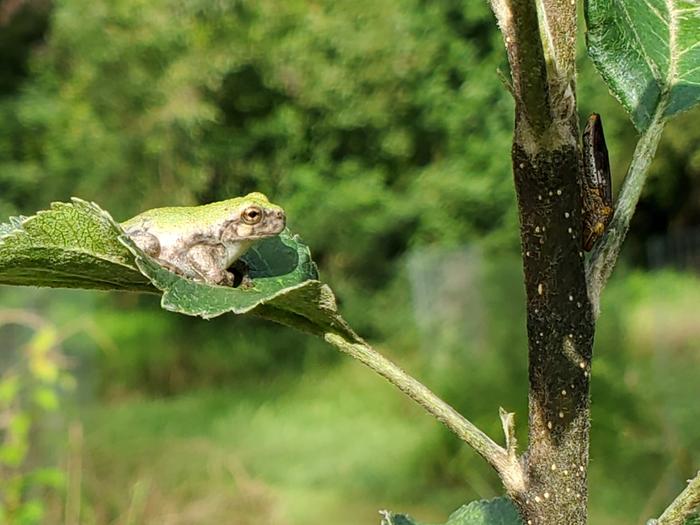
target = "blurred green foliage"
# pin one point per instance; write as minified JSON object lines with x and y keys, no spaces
{"x":382,"y":128}
{"x":292,"y":448}
{"x":645,"y":419}
{"x":364,"y":108}
{"x":32,"y":379}
{"x":372,"y":123}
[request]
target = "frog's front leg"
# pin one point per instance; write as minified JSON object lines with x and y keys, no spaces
{"x":241,"y":275}
{"x":207,"y":261}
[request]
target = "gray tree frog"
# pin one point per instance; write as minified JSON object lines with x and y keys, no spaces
{"x":202,"y":242}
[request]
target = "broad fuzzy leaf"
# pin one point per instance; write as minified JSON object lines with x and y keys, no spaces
{"x":648,"y":52}
{"x":71,"y":245}
{"x":277,"y":265}
{"x":499,"y":511}
{"x":284,"y":288}
{"x":79,"y":245}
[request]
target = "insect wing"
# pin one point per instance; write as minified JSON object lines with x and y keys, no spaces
{"x":596,"y":161}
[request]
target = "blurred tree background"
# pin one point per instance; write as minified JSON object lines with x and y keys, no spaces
{"x":383,"y":129}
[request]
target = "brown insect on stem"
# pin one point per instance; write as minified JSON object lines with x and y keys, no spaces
{"x":597,"y":184}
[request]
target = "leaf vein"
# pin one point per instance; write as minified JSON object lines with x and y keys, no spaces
{"x":689,"y":10}
{"x":672,"y":51}
{"x":688,"y":72}
{"x":687,"y":49}
{"x":653,"y":68}
{"x":653,"y":9}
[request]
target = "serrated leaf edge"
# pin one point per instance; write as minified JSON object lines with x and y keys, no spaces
{"x":20,"y":221}
{"x":140,"y":258}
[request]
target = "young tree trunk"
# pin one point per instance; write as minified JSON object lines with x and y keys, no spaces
{"x":560,"y":328}
{"x":560,"y":323}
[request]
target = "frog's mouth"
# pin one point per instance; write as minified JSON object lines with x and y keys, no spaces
{"x":273,"y":223}
{"x":238,"y":231}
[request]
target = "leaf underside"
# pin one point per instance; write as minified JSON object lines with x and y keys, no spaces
{"x":648,"y":52}
{"x":499,"y":511}
{"x":79,"y":245}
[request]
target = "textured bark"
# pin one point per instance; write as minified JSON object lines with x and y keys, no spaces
{"x":560,"y":331}
{"x":547,"y":168}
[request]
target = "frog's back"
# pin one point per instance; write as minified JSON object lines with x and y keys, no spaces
{"x":162,"y":217}
{"x":181,"y":217}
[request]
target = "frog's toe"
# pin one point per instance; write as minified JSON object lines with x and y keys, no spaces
{"x":227,"y":279}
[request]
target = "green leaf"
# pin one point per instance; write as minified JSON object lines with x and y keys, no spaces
{"x":389,"y":518}
{"x":285,"y":288}
{"x":648,"y":52}
{"x":79,"y":245}
{"x":693,"y":519}
{"x":47,"y":477}
{"x":71,"y":245}
{"x":499,"y":511}
{"x":277,"y":264}
{"x":46,"y":398}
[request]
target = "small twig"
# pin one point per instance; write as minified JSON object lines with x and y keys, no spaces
{"x":558,"y":27}
{"x":508,"y":422}
{"x":606,"y":252}
{"x":508,"y":467}
{"x":518,"y":22}
{"x":506,"y":81}
{"x":683,"y":506}
{"x":22,"y":317}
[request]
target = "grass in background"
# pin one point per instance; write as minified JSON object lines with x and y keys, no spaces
{"x":325,"y":439}
{"x":645,"y":436}
{"x":335,"y":442}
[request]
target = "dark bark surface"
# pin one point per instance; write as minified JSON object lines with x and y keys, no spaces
{"x":560,"y":328}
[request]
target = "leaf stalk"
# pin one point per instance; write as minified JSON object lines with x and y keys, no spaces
{"x":505,"y":463}
{"x":683,"y":506}
{"x":605,"y":254}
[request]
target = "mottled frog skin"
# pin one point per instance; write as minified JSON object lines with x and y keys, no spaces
{"x":597,"y":186}
{"x":203,"y":242}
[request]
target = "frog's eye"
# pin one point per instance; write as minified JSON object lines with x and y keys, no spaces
{"x":252,"y":215}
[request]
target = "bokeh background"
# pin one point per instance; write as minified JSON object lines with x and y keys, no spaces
{"x":383,"y":129}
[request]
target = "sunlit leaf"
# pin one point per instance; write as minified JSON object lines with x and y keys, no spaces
{"x":648,"y":52}
{"x":499,"y":511}
{"x":79,"y":245}
{"x":284,"y":287}
{"x":46,"y":398}
{"x":71,"y":245}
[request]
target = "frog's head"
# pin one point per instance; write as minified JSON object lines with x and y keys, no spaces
{"x":254,"y":217}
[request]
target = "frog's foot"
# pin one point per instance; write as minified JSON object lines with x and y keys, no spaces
{"x":217,"y":277}
{"x":204,"y":260}
{"x":227,"y":279}
{"x":241,"y":275}
{"x":246,"y":282}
